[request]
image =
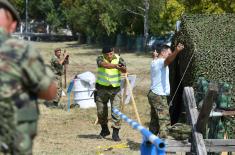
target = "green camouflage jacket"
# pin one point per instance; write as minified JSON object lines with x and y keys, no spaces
{"x":22,"y":75}
{"x":55,"y":66}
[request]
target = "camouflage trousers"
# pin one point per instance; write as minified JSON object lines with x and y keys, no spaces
{"x":102,"y":97}
{"x":56,"y":100}
{"x":160,"y":117}
{"x":59,"y":89}
{"x":25,"y":133}
{"x":23,"y":139}
{"x":21,"y":129}
{"x":26,"y":128}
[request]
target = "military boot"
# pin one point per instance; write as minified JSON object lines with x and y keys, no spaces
{"x":104,"y":131}
{"x":115,"y":135}
{"x":55,"y":104}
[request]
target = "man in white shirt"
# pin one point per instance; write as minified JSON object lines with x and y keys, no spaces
{"x":160,"y":89}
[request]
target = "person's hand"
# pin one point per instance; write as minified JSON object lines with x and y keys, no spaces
{"x":179,"y":47}
{"x":154,"y":54}
{"x":66,"y":55}
{"x":121,"y":68}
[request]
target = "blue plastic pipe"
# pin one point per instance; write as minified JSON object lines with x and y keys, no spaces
{"x":69,"y":92}
{"x":157,"y":147}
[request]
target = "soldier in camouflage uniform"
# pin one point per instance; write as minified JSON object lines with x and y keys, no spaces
{"x":108,"y":83}
{"x":23,"y":79}
{"x":57,"y":66}
{"x":160,"y":88}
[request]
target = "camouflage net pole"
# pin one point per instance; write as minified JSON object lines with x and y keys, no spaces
{"x":132,"y":99}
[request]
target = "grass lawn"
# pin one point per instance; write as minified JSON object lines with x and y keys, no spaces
{"x":74,"y":132}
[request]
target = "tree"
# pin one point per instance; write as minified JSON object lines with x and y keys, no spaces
{"x":142,"y":9}
{"x":103,"y":19}
{"x":209,"y":6}
{"x":20,"y":7}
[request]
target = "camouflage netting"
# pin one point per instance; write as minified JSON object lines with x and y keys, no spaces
{"x":210,"y":41}
{"x":210,"y":52}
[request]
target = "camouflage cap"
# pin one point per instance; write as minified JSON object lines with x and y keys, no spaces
{"x":7,"y":5}
{"x":107,"y":49}
{"x":57,"y":49}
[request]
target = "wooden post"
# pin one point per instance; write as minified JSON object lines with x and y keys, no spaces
{"x":132,"y":99}
{"x":66,"y":62}
{"x":207,"y":105}
{"x":191,"y":109}
{"x":65,"y":75}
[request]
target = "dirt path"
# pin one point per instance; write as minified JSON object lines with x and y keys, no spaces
{"x":74,"y":132}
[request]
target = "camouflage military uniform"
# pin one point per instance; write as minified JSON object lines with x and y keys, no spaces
{"x":160,"y":117}
{"x":22,"y":76}
{"x":105,"y":94}
{"x":58,"y":71}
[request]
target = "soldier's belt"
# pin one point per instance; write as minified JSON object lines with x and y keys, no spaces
{"x":98,"y":86}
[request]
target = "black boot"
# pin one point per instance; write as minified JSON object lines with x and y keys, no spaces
{"x":115,"y":135}
{"x":104,"y":131}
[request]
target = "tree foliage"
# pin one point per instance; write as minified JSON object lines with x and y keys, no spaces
{"x":106,"y":18}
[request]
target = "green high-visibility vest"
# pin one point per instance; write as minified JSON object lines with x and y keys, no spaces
{"x":109,"y":77}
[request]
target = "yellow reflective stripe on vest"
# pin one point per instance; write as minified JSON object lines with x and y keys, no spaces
{"x":102,"y":73}
{"x":105,"y":82}
{"x":107,"y":77}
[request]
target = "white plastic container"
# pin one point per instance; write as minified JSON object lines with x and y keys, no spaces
{"x":83,"y":90}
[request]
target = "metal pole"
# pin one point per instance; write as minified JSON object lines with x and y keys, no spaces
{"x":26,"y":16}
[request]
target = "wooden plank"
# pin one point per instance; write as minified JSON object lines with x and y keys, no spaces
{"x":207,"y":105}
{"x":218,"y":113}
{"x":177,"y":146}
{"x":220,"y":142}
{"x":220,"y":145}
{"x":192,"y":113}
{"x":212,"y":145}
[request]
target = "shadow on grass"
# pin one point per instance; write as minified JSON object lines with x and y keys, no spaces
{"x":84,"y":46}
{"x":92,"y":136}
{"x":95,"y":53}
{"x":73,"y":45}
{"x":88,"y":136}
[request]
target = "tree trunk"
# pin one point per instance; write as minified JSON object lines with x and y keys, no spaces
{"x":146,"y":24}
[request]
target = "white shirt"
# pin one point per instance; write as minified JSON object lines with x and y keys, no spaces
{"x":160,"y":84}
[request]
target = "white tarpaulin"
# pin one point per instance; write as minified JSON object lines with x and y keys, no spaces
{"x":127,"y":94}
{"x":84,"y":85}
{"x":83,"y":88}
